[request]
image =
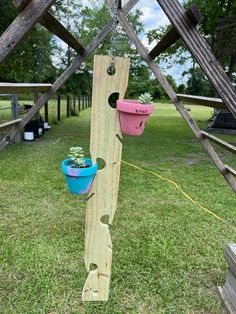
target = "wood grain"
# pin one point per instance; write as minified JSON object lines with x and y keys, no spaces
{"x":171,"y":37}
{"x":220,"y":142}
{"x":22,"y":24}
{"x":55,"y":27}
{"x":216,"y":103}
{"x":104,"y":144}
{"x":9,"y":123}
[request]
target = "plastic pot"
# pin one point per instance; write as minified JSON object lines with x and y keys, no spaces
{"x":133,"y":116}
{"x":79,"y":180}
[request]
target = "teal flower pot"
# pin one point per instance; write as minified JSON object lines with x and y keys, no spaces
{"x":79,"y":180}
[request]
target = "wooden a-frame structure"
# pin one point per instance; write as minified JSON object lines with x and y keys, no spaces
{"x":183,"y":26}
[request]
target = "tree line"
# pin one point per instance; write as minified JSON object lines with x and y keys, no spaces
{"x":42,"y":57}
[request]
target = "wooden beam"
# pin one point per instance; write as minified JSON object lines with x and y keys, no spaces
{"x":230,"y":170}
{"x":201,"y":51}
{"x":55,"y":27}
{"x":22,"y":25}
{"x":195,"y":17}
{"x":63,"y":78}
{"x":216,"y":103}
{"x":9,"y":123}
{"x":20,"y":4}
{"x":15,"y":88}
{"x":220,"y":142}
{"x":225,"y":301}
{"x":173,"y":96}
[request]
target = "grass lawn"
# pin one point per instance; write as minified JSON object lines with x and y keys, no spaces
{"x":167,"y":252}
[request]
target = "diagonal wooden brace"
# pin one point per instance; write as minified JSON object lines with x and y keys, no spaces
{"x":201,"y":52}
{"x":22,"y":25}
{"x":54,"y":26}
{"x":63,"y":78}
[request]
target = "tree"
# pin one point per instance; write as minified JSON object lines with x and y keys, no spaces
{"x":212,"y":11}
{"x":198,"y":83}
{"x":31,"y":61}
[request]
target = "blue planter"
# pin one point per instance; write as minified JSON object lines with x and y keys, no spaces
{"x":79,"y":180}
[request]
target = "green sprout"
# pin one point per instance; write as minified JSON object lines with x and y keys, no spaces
{"x":145,"y":99}
{"x":77,"y":156}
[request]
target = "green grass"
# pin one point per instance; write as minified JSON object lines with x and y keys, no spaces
{"x":167,"y":253}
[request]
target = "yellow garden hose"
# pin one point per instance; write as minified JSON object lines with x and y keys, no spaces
{"x":181,"y":191}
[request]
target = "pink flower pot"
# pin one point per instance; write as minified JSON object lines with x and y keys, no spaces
{"x":133,"y":116}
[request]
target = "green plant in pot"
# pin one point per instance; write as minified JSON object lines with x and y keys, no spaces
{"x":79,"y":171}
{"x":145,"y":99}
{"x":133,"y":114}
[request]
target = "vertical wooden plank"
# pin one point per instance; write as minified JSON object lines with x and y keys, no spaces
{"x":59,"y":108}
{"x":103,"y":201}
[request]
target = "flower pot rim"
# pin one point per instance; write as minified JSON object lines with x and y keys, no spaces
{"x":134,"y":107}
{"x":68,"y":170}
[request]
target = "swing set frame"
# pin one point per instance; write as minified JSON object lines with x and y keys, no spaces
{"x":184,"y":26}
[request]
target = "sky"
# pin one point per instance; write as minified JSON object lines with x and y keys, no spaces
{"x":153,"y":17}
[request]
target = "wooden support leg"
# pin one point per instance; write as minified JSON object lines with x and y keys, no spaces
{"x":103,"y":196}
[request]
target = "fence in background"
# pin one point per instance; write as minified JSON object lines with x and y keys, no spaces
{"x":66,"y":106}
{"x":56,"y":109}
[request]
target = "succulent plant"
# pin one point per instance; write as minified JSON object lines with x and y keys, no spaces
{"x":77,"y":156}
{"x":145,"y":99}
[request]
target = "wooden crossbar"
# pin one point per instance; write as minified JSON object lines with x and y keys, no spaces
{"x":220,"y":142}
{"x":171,"y":37}
{"x":216,"y":103}
{"x":230,"y":170}
{"x":173,"y":96}
{"x":64,"y":77}
{"x":23,"y":87}
{"x":55,"y":27}
{"x":22,"y":25}
{"x":201,"y":52}
{"x":9,"y":123}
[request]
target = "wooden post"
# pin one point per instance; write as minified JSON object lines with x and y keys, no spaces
{"x":46,"y":112}
{"x":15,"y":114}
{"x":74,"y":100}
{"x":79,"y":103}
{"x":59,"y":108}
{"x":15,"y":107}
{"x":67,"y":106}
{"x":104,"y":144}
{"x":82,"y":102}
